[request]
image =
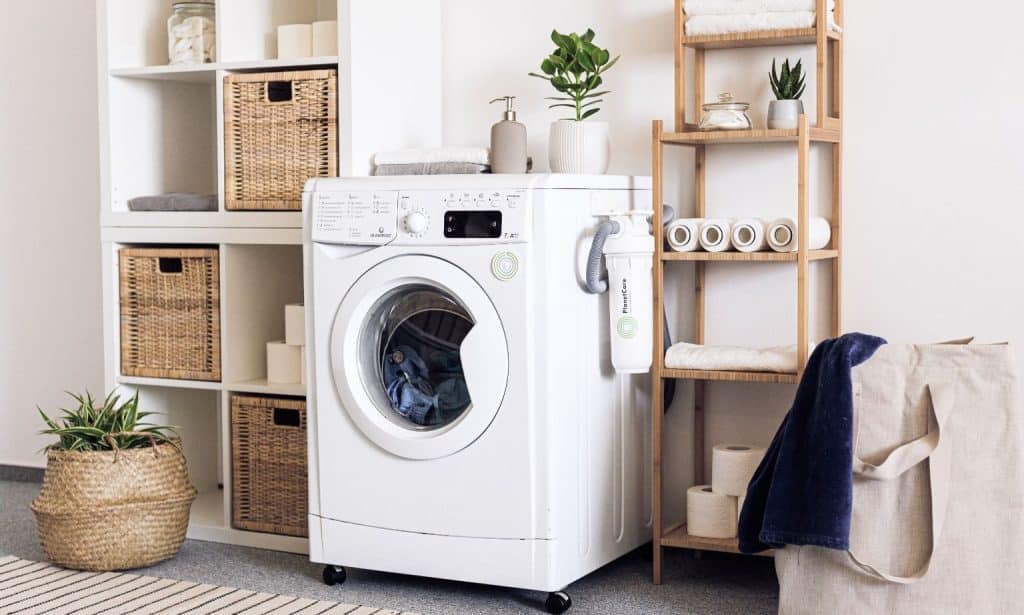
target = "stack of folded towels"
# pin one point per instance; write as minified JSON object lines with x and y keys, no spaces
{"x":436,"y":161}
{"x":708,"y":17}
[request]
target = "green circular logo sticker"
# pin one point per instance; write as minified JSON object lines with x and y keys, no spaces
{"x":627,"y":327}
{"x":505,"y":265}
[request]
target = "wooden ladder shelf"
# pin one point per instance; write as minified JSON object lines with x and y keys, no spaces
{"x":827,"y":131}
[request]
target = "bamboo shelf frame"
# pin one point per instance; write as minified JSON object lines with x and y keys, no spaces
{"x":828,"y":132}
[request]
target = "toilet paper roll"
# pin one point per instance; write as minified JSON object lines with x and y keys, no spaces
{"x":683,"y":235}
{"x":325,"y":38}
{"x":294,"y":41}
{"x":284,"y":363}
{"x":710,"y":514}
{"x":716,"y":235}
{"x":750,"y":235}
{"x":739,"y":507}
{"x":732,"y":467}
{"x":783,"y":234}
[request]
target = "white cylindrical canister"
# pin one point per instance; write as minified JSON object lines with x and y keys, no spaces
{"x":630,"y":296}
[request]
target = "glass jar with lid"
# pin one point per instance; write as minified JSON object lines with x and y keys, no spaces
{"x":191,"y":33}
{"x":726,"y":114}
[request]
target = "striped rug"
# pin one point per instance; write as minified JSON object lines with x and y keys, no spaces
{"x":31,"y":588}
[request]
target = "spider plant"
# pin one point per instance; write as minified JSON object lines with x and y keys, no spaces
{"x":112,"y":425}
{"x":789,"y":84}
{"x":574,"y":69}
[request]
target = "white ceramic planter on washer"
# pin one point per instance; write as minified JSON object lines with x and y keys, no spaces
{"x":579,"y":147}
{"x":784,"y":113}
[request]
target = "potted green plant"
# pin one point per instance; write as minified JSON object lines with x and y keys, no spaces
{"x":575,"y":69}
{"x":788,"y":86}
{"x":116,"y":493}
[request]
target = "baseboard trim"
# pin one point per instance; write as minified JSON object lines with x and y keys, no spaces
{"x":21,"y":474}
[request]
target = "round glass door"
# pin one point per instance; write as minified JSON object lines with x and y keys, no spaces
{"x":419,"y":357}
{"x":416,"y":334}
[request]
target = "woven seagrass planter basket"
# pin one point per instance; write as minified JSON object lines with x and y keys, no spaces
{"x":113,"y":510}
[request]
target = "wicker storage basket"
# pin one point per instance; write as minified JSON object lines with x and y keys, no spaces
{"x":170,"y":313}
{"x":107,"y":510}
{"x":268,"y":465}
{"x":280,"y":129}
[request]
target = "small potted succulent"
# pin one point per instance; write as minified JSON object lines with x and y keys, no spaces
{"x":788,"y":86}
{"x":575,"y":70}
{"x":116,"y":493}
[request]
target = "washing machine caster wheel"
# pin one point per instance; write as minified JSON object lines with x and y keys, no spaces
{"x":558,"y":602}
{"x":334,"y":575}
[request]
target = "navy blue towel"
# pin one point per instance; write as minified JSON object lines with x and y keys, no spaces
{"x":802,"y":493}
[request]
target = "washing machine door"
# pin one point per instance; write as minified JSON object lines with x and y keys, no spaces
{"x":419,"y":357}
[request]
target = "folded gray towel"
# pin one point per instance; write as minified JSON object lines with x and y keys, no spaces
{"x":432,"y":168}
{"x":174,"y":201}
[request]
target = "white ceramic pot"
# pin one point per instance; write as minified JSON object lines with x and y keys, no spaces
{"x":784,"y":113}
{"x":579,"y":147}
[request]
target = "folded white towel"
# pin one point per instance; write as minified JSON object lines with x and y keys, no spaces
{"x":703,"y":25}
{"x":747,"y":7}
{"x":471,"y":155}
{"x":682,"y":355}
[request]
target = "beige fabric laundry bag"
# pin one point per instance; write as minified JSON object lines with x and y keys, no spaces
{"x":938,"y":492}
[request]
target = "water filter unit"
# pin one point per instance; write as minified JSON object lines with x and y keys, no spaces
{"x":628,"y":248}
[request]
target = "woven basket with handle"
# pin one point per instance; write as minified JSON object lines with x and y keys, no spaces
{"x":113,"y":510}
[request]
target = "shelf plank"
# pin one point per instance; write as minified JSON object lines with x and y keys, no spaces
{"x":758,"y":135}
{"x":260,"y":385}
{"x":207,"y":73}
{"x":678,"y":538}
{"x":795,"y":36}
{"x":202,"y":219}
{"x":169,"y":383}
{"x":749,"y":257}
{"x":727,"y":376}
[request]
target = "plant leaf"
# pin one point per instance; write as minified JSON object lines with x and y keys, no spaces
{"x":589,"y":112}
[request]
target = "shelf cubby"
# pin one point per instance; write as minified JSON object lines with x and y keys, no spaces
{"x":247,"y":29}
{"x":162,"y":138}
{"x":259,"y":280}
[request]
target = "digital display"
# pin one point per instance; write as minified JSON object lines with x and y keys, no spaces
{"x":472,"y":224}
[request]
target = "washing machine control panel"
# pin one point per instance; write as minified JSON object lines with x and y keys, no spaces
{"x":355,"y":217}
{"x":439,"y":217}
{"x":420,"y":217}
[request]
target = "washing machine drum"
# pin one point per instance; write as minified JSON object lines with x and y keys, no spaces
{"x":420,"y":362}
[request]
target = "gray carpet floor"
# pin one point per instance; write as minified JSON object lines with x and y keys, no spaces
{"x":715,"y":583}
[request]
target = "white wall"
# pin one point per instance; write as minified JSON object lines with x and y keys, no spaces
{"x":50,"y":327}
{"x":932,"y":156}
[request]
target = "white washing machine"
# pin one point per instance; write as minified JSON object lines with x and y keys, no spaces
{"x":465,"y":419}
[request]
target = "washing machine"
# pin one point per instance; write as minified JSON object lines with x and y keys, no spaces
{"x":465,"y":420}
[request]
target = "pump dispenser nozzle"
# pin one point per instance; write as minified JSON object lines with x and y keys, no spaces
{"x":510,"y":113}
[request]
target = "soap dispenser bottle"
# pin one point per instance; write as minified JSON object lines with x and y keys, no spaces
{"x":508,"y":141}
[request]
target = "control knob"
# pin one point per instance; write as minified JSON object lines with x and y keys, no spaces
{"x":416,"y":222}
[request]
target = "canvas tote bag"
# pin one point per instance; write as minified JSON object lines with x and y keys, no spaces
{"x":938,"y":492}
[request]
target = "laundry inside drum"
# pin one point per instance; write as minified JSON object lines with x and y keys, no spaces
{"x":420,"y":359}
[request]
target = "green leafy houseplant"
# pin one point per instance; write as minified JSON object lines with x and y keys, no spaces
{"x":789,"y":84}
{"x":114,"y":425}
{"x":574,"y":69}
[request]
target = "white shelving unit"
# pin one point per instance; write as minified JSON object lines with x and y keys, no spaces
{"x":161,"y":130}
